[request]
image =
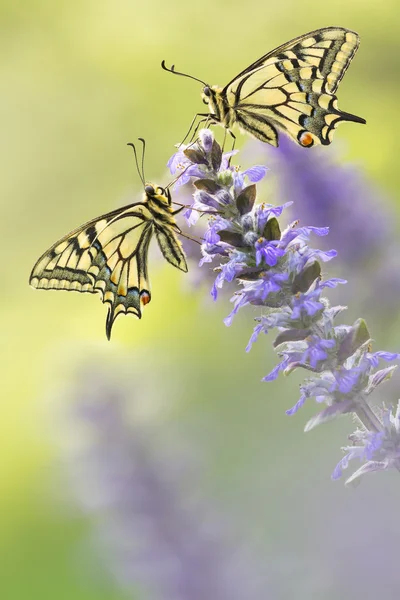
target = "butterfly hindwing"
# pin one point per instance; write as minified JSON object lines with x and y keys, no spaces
{"x":292,"y":88}
{"x":109,"y":255}
{"x":119,"y":265}
{"x":171,"y":248}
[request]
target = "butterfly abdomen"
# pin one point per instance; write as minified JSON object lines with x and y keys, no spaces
{"x":160,"y":213}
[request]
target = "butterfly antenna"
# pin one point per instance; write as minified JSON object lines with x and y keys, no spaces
{"x":172,"y":70}
{"x":137,"y":163}
{"x":143,"y":153}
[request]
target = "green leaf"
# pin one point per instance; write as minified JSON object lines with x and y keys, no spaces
{"x":216,"y":155}
{"x":291,"y":335}
{"x":353,"y":340}
{"x":329,"y":413}
{"x":195,"y":156}
{"x":272,"y":231}
{"x":245,"y":200}
{"x":231,"y":237}
{"x":208,"y":185}
{"x":251,"y":274}
{"x":302,"y":281}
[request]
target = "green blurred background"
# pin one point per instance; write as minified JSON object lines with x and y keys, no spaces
{"x":78,"y":81}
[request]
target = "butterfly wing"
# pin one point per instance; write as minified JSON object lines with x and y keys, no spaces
{"x":292,"y":88}
{"x":171,"y":247}
{"x":107,"y":255}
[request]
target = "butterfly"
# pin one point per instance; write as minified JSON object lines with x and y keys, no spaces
{"x":291,"y":89}
{"x":108,"y":255}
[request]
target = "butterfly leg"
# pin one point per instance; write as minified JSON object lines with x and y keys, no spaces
{"x":188,"y":237}
{"x":233,"y":145}
{"x":193,"y":137}
{"x":178,"y":210}
{"x":233,"y":136}
{"x":191,"y":127}
{"x":223,"y":143}
{"x":202,"y":212}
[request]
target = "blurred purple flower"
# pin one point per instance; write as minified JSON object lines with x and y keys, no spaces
{"x":336,"y":195}
{"x":361,"y":223}
{"x":151,"y":535}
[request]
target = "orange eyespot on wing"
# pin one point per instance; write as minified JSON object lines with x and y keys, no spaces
{"x":306,"y":139}
{"x":145,"y":298}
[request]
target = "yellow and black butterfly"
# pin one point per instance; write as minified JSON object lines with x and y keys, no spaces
{"x":109,"y":254}
{"x":291,"y":89}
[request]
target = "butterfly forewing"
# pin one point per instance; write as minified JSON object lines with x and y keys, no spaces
{"x":292,"y":88}
{"x":109,"y":255}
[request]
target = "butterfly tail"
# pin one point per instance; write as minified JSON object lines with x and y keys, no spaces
{"x":123,"y":305}
{"x":345,"y":116}
{"x":111,"y":316}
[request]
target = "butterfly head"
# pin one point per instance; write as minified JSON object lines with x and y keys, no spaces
{"x":157,"y":195}
{"x":206,"y":95}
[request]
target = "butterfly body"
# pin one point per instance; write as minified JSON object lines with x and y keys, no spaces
{"x":108,"y":255}
{"x":291,"y":89}
{"x":220,"y":110}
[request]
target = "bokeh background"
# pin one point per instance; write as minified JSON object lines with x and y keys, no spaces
{"x":78,"y":81}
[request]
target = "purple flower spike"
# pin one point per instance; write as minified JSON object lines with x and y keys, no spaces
{"x":280,"y":272}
